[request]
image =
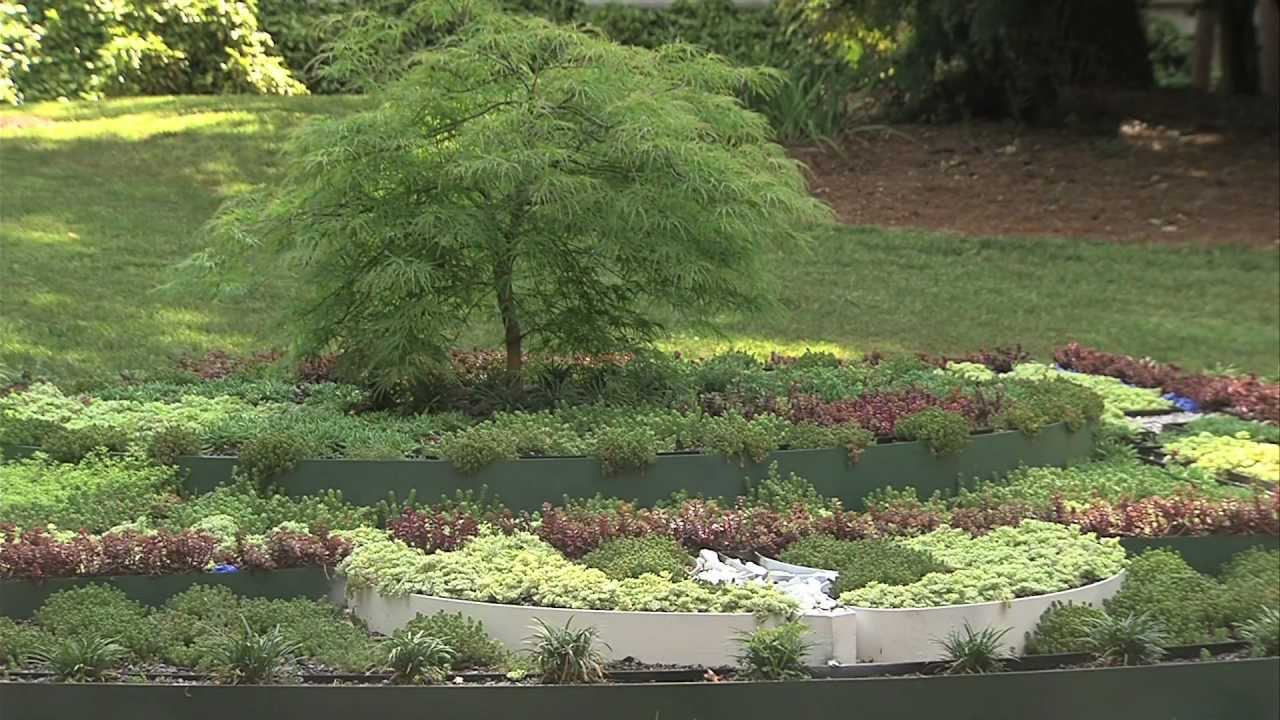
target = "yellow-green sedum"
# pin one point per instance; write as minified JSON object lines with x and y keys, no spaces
{"x":1220,"y":454}
{"x":1033,"y":558}
{"x":27,"y":416}
{"x":521,"y":569}
{"x":1118,"y":397}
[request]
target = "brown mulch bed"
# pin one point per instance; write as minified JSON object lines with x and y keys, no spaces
{"x":1139,"y":183}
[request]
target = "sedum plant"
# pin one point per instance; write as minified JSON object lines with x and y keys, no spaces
{"x":1162,"y":586}
{"x":1032,"y":558}
{"x":1219,"y":454}
{"x":1250,"y":580}
{"x":784,"y":494}
{"x":942,"y":431}
{"x":472,"y":647}
{"x":633,"y":557}
{"x":545,"y":179}
{"x":1063,"y":629}
{"x":95,"y":494}
{"x":18,"y":642}
{"x":521,"y":569}
{"x":861,"y":562}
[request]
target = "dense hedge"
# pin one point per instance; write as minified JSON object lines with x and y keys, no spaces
{"x":93,"y":48}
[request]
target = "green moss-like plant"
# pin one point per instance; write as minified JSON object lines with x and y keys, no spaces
{"x":472,"y":646}
{"x":633,"y":557}
{"x":1161,"y":585}
{"x":1063,"y":629}
{"x":945,"y":432}
{"x":861,"y":562}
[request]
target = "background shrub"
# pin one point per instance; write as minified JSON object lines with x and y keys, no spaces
{"x":1162,"y":586}
{"x":270,"y":455}
{"x":19,"y":641}
{"x":1063,"y":629}
{"x":1251,"y":582}
{"x":472,"y":646}
{"x":170,"y":442}
{"x":101,"y":612}
{"x":780,"y":494}
{"x":196,"y":622}
{"x":623,"y":449}
{"x":90,"y":48}
{"x":942,"y":431}
{"x":70,"y":444}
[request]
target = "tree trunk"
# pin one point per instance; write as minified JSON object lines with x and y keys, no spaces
{"x":513,"y":335}
{"x":1106,"y":43}
{"x":1202,"y":59}
{"x":1270,"y":48}
{"x":1239,"y":47}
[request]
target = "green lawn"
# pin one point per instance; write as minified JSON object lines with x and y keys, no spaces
{"x":98,"y":206}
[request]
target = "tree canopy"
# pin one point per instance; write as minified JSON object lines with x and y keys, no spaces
{"x":993,"y":57}
{"x":573,"y":189}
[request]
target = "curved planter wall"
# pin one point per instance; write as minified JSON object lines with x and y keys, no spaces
{"x":708,"y":639}
{"x":845,"y":636}
{"x":1203,"y":690}
{"x":19,"y":598}
{"x":908,"y":635}
{"x":528,"y":483}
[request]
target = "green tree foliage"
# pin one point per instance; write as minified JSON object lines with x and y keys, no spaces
{"x":992,"y":57}
{"x":91,"y":48}
{"x":566,"y":186}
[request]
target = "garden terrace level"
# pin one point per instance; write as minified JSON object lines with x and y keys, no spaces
{"x":528,"y":483}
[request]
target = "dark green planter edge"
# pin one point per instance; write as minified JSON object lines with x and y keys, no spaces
{"x":527,"y":483}
{"x":1205,"y":553}
{"x":19,"y":599}
{"x":1206,"y":690}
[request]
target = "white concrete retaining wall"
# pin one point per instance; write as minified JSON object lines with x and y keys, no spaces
{"x":708,"y":639}
{"x":908,"y":635}
{"x":844,"y":636}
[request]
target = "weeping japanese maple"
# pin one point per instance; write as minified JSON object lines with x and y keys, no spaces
{"x":532,"y":175}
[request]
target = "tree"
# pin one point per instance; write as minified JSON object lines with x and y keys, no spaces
{"x":1005,"y":58}
{"x":573,"y":189}
{"x":1241,"y":72}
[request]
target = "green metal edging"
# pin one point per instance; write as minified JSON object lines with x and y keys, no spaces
{"x":527,"y":483}
{"x":19,"y":599}
{"x":1205,"y":553}
{"x":1229,"y":690}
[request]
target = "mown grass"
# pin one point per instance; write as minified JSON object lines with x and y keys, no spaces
{"x":101,"y":203}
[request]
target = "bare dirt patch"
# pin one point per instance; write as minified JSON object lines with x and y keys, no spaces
{"x":1138,"y":183}
{"x":17,"y":122}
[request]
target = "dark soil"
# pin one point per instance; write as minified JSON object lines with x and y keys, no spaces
{"x":1173,"y":177}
